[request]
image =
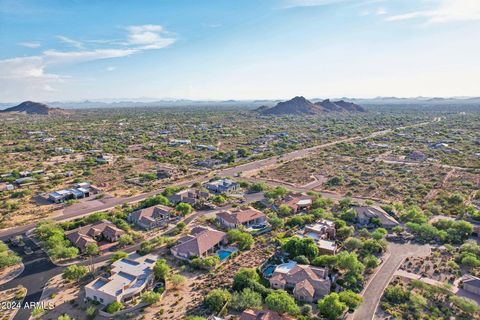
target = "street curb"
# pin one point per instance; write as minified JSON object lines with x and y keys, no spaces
{"x":10,"y":278}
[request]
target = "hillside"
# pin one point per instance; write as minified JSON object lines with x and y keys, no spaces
{"x":30,"y":107}
{"x":302,"y":106}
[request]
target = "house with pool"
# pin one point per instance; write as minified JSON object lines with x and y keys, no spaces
{"x":249,"y":217}
{"x":307,"y":283}
{"x":201,"y":242}
{"x":129,"y":277}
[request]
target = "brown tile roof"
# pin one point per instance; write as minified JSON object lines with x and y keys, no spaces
{"x":375,"y":212}
{"x":80,"y":237}
{"x":293,"y":200}
{"x":201,"y":240}
{"x":305,"y":286}
{"x":241,"y":216}
{"x":150,"y":213}
{"x":300,"y":274}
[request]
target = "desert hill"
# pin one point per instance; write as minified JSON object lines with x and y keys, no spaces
{"x":30,"y":107}
{"x":302,"y":106}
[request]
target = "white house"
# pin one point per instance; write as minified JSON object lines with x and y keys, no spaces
{"x":129,"y":278}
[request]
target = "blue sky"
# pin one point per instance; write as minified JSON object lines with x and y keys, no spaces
{"x":248,"y":49}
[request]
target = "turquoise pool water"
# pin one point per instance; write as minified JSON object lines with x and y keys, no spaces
{"x":268,"y":271}
{"x":223,"y":254}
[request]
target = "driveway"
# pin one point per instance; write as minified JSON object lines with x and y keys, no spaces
{"x":38,"y":270}
{"x":374,"y":290}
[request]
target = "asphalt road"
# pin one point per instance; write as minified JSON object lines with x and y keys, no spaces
{"x":374,"y":290}
{"x":38,"y":270}
{"x":255,"y":165}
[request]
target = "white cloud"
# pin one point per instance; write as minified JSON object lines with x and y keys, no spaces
{"x":111,"y":69}
{"x":63,"y":57}
{"x":29,"y":44}
{"x":30,"y":72}
{"x":149,"y":36}
{"x":445,"y":11}
{"x":71,"y":42}
{"x":381,"y":11}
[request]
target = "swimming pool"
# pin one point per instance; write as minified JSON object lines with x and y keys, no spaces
{"x":223,"y":254}
{"x":268,"y":271}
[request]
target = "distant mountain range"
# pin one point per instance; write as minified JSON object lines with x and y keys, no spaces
{"x":172,"y":103}
{"x":30,"y":107}
{"x":302,"y":106}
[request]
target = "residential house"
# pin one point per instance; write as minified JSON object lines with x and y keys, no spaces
{"x":201,"y":242}
{"x":151,"y":217}
{"x":327,"y":247}
{"x":308,"y":283}
{"x":324,"y":229}
{"x":164,"y":172}
{"x":472,"y":285}
{"x":24,"y":181}
{"x":129,"y":277}
{"x":190,"y":196}
{"x":417,"y":156}
{"x":81,"y":190}
{"x":105,"y":159}
{"x":208,"y":163}
{"x":222,"y":186}
{"x":6,"y":187}
{"x":365,"y":214}
{"x":321,"y":232}
{"x":243,"y":217}
{"x":251,"y":314}
{"x":298,"y":202}
{"x":100,"y":231}
{"x":178,"y":142}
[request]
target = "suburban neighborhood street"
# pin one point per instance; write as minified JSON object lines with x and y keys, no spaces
{"x":374,"y":290}
{"x":39,"y":269}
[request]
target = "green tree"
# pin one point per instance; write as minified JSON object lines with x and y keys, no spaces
{"x":244,"y":277}
{"x":246,"y":299}
{"x":331,"y":307}
{"x":281,"y":302}
{"x":117,"y":255}
{"x":351,"y":299}
{"x":75,"y":272}
{"x":371,"y":262}
{"x":151,"y":297}
{"x":258,"y":187}
{"x":216,"y":299}
{"x":92,"y":250}
{"x":161,"y":269}
{"x":114,"y":307}
{"x":244,"y":240}
{"x":177,"y":280}
{"x":379,"y":233}
{"x":345,"y":232}
{"x":184,"y":208}
{"x":91,"y":312}
{"x":284,"y":210}
{"x":7,"y":257}
{"x":125,"y":240}
{"x":296,"y":246}
{"x":352,"y":244}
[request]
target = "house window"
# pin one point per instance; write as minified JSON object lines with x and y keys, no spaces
{"x":101,"y":300}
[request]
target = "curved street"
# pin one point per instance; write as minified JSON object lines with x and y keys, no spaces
{"x":374,"y":290}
